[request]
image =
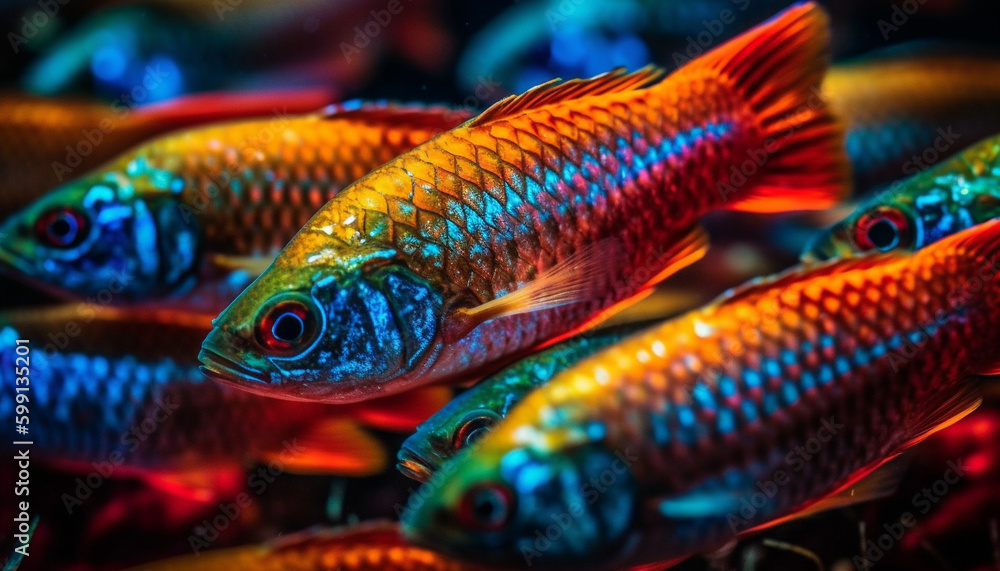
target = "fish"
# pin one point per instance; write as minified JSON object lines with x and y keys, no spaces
{"x":120,"y":392}
{"x":471,"y":415}
{"x":532,"y":221}
{"x":911,"y":106}
{"x":789,"y":395}
{"x":194,"y":215}
{"x":950,"y":197}
{"x":370,"y":545}
{"x":48,"y":141}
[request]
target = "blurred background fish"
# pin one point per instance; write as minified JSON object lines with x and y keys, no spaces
{"x":47,"y":141}
{"x":180,"y":215}
{"x":914,"y":81}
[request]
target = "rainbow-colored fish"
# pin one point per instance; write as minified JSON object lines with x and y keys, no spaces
{"x":956,"y":195}
{"x":475,"y":412}
{"x":120,"y":391}
{"x":187,"y":209}
{"x":533,"y":220}
{"x":774,"y":402}
{"x":45,"y":142}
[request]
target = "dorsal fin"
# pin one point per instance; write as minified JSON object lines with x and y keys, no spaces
{"x":399,"y":115}
{"x":796,"y":274}
{"x":614,"y":81}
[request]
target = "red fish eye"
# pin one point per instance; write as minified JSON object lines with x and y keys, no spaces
{"x":473,"y":427}
{"x":61,"y":227}
{"x":486,"y":507}
{"x":286,"y":325}
{"x":883,"y":229}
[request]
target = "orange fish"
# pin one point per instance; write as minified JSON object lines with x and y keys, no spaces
{"x":533,"y":220}
{"x":119,"y":391}
{"x":776,"y":401}
{"x":177,"y":216}
{"x":46,"y":142}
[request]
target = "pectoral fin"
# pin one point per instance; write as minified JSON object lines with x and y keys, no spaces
{"x":573,"y":280}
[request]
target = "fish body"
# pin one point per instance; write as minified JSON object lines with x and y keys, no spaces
{"x":102,"y":392}
{"x":953,"y":196}
{"x":782,"y":393}
{"x":193,"y":208}
{"x":908,"y":109}
{"x":46,"y":142}
{"x":475,"y":412}
{"x":364,"y":547}
{"x":528,"y":222}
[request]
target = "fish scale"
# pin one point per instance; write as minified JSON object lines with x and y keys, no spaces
{"x":196,"y":214}
{"x":711,"y":404}
{"x":613,"y":172}
{"x":282,"y":171}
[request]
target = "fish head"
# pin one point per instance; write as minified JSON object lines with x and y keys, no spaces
{"x":100,"y":237}
{"x":457,"y":426}
{"x":330,"y":326}
{"x":910,"y":215}
{"x":490,"y":501}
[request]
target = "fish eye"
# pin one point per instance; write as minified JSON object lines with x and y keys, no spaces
{"x":61,"y":227}
{"x":883,"y":229}
{"x":486,"y":507}
{"x":287,"y":323}
{"x":472,"y":428}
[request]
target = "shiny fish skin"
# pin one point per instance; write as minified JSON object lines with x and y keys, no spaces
{"x":119,"y":383}
{"x":951,"y":197}
{"x":252,"y":185}
{"x":487,"y":403}
{"x":616,"y":170}
{"x":155,"y":415}
{"x":862,"y":355}
{"x":185,"y":210}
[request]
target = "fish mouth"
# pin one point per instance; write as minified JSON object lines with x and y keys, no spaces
{"x":413,"y":466}
{"x":224,"y":370}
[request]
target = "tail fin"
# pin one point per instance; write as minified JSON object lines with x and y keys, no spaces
{"x":777,"y":67}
